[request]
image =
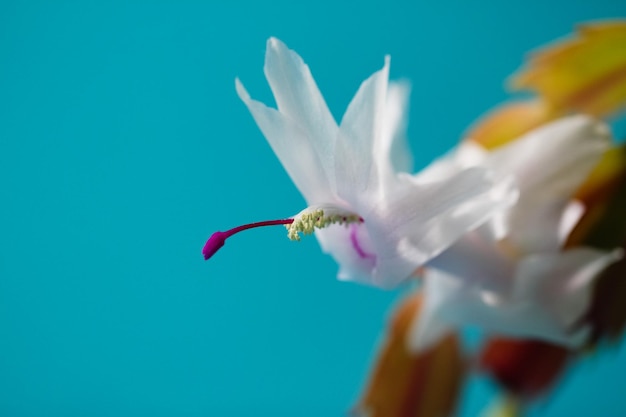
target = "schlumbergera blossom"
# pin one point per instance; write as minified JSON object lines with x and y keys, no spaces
{"x":377,"y":221}
{"x":511,"y":276}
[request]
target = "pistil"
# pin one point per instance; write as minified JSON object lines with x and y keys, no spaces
{"x":217,"y":239}
{"x":304,"y":223}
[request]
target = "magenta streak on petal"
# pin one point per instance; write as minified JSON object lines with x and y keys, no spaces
{"x":217,"y":239}
{"x":357,"y":247}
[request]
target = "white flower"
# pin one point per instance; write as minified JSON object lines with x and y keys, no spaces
{"x":511,"y":275}
{"x":356,"y":171}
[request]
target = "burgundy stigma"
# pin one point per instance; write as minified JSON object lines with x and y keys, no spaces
{"x":217,"y":239}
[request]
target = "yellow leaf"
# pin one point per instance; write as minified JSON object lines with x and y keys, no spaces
{"x":586,"y":73}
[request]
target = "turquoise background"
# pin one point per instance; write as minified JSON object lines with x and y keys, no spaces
{"x":123,"y":146}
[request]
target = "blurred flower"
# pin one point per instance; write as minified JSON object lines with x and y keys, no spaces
{"x":377,"y":221}
{"x":526,"y":369}
{"x":510,"y":276}
{"x":583,"y":74}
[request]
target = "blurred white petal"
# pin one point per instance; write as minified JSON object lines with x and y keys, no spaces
{"x":549,"y":164}
{"x":571,"y":215}
{"x":542,"y":299}
{"x":510,"y":275}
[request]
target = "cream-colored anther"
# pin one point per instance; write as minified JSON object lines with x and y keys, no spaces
{"x":313,"y":218}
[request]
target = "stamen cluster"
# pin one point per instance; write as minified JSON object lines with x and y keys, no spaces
{"x":307,"y":221}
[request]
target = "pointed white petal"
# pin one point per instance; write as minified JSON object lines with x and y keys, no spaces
{"x":360,"y":129}
{"x":394,"y":148}
{"x":298,"y":97}
{"x":293,"y":148}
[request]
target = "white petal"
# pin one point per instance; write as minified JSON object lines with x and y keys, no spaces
{"x":571,"y":215}
{"x":533,"y":224}
{"x":423,"y":221}
{"x":352,"y":249}
{"x":549,"y":164}
{"x":360,"y":130}
{"x":562,"y":282}
{"x":461,"y":304}
{"x":479,"y":260}
{"x":298,"y":97}
{"x":293,"y":147}
{"x":544,"y":297}
{"x":546,"y":153}
{"x":394,"y":148}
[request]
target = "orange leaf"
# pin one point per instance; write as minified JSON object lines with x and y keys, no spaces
{"x":404,"y":384}
{"x":508,"y":122}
